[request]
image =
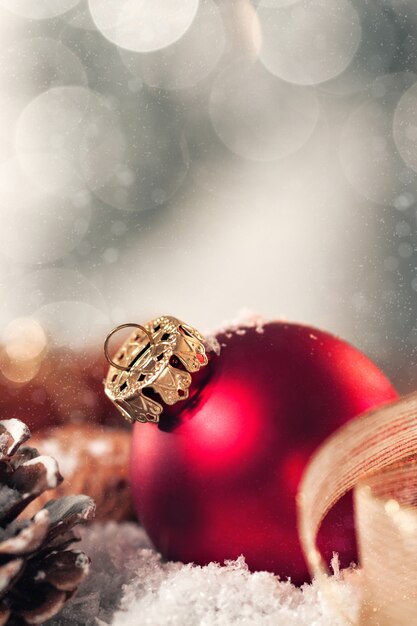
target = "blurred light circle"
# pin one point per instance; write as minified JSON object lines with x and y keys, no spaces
{"x":37,"y":288}
{"x":143,"y":25}
{"x":147,"y":170}
{"x":18,"y":371}
{"x":404,"y":201}
{"x":259,"y":117}
{"x":73,"y":323}
{"x":37,"y":64}
{"x":37,"y":227}
{"x":64,"y":302}
{"x":309,"y":42}
{"x":375,"y":53}
{"x":367,"y":151}
{"x":366,"y":154}
{"x":81,"y":19}
{"x":102,"y":144}
{"x":38,"y":9}
{"x":9,"y":114}
{"x":50,"y":125}
{"x":23,"y":339}
{"x":67,"y":138}
{"x":276,"y":4}
{"x":405,"y":250}
{"x":405,"y":127}
{"x":189,"y":60}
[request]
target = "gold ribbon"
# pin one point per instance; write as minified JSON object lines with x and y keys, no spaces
{"x":376,"y":456}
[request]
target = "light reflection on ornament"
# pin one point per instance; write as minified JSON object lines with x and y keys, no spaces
{"x":143,"y":25}
{"x":260,"y":117}
{"x":189,"y":60}
{"x":216,"y":446}
{"x":38,"y":9}
{"x":405,"y":127}
{"x":309,"y":42}
{"x":42,"y":227}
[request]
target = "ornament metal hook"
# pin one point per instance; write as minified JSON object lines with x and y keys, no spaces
{"x":116,"y":330}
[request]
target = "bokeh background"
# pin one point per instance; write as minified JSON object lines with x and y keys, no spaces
{"x":201,"y":157}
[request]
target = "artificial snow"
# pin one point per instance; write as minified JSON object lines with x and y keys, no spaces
{"x":244,"y":319}
{"x":130,"y":585}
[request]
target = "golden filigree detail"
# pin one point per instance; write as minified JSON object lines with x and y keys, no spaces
{"x":144,"y":361}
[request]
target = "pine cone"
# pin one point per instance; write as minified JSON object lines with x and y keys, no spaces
{"x":37,"y":572}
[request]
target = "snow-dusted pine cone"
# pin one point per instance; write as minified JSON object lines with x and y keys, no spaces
{"x":38,"y":572}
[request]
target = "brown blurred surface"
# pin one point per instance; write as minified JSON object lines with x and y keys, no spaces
{"x":93,"y":460}
{"x":66,"y":388}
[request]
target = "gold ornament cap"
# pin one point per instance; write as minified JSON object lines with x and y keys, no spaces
{"x":145,"y":361}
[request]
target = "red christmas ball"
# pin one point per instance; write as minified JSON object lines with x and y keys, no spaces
{"x":218,"y":476}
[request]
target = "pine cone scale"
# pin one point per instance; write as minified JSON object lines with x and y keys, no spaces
{"x":52,"y":602}
{"x":36,"y":475}
{"x":29,"y":537}
{"x":8,"y":574}
{"x":12,"y":434}
{"x":4,"y":615}
{"x":38,"y":571}
{"x":66,"y":570}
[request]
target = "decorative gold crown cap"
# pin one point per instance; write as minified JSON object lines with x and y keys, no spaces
{"x":145,"y":361}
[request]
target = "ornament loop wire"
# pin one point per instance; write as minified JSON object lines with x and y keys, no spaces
{"x":116,"y":330}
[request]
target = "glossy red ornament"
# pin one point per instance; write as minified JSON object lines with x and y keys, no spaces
{"x":218,"y":476}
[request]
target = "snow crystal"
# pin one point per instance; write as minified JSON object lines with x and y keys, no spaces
{"x":130,"y":584}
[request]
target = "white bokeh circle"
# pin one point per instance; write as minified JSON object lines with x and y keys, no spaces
{"x":68,"y":306}
{"x":309,"y":42}
{"x":73,"y":323}
{"x":148,"y":163}
{"x":47,"y":136}
{"x":143,"y":25}
{"x":23,"y":339}
{"x":189,"y":60}
{"x":277,"y":4}
{"x":260,"y":117}
{"x":374,"y":56}
{"x":367,"y":150}
{"x":37,"y":64}
{"x":38,"y":9}
{"x":37,"y":227}
{"x":405,"y":127}
{"x":69,"y":138}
